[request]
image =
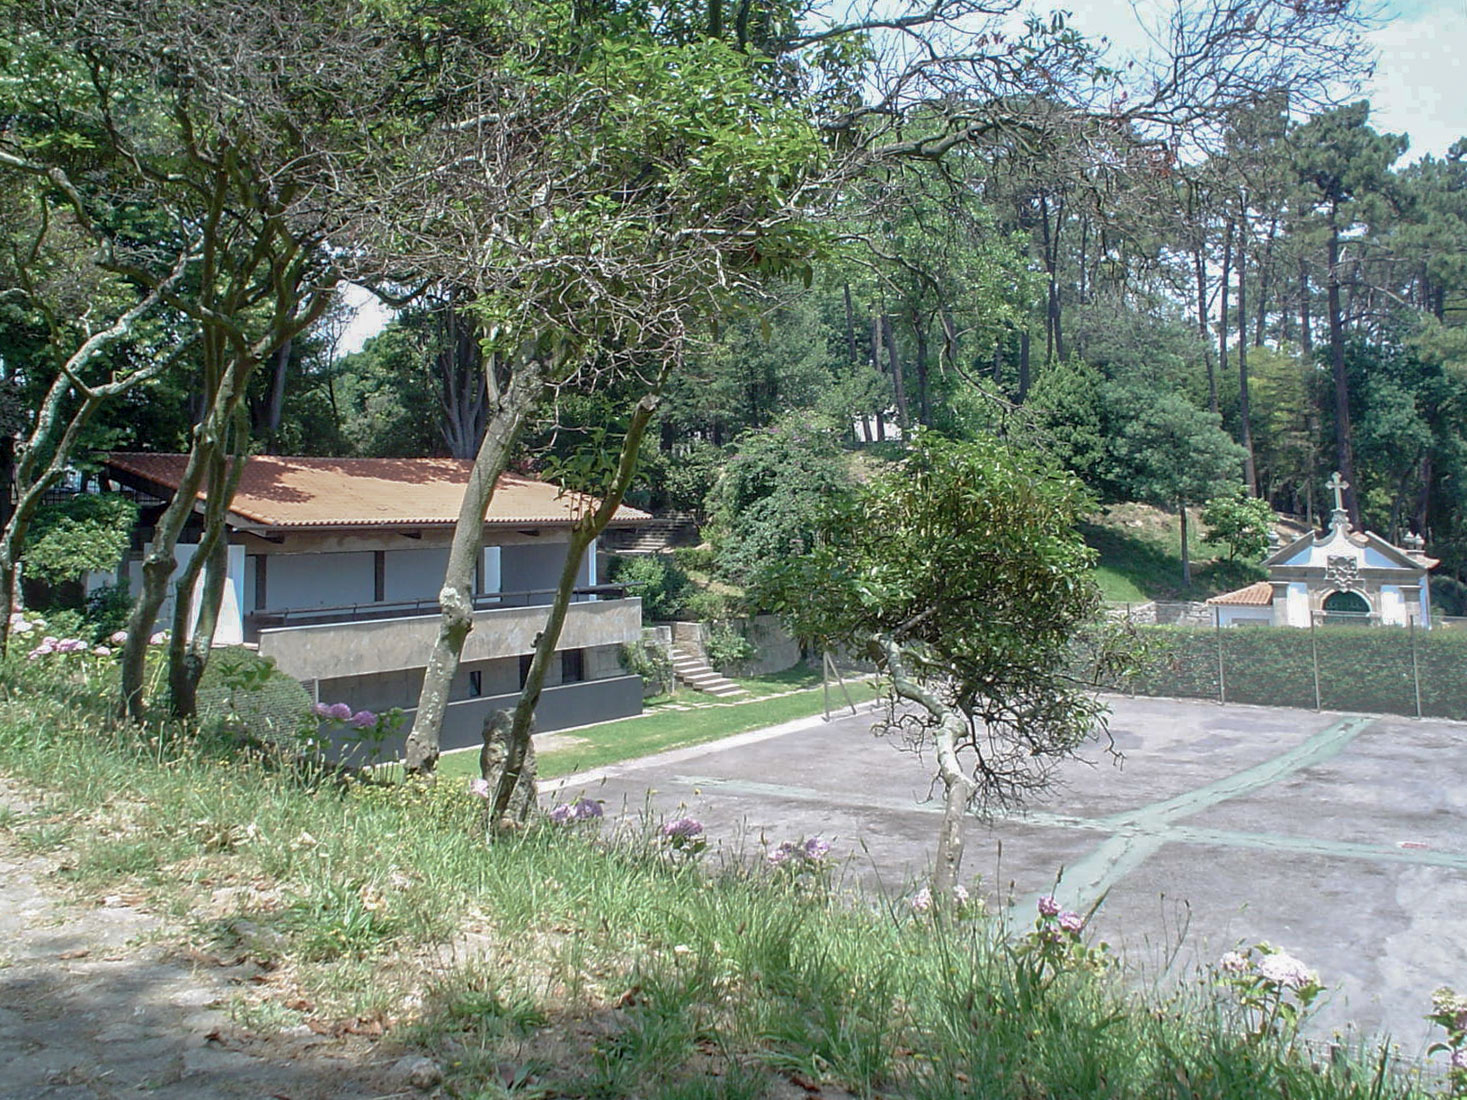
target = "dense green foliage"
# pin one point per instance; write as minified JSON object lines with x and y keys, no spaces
{"x":1239,"y":522}
{"x":1370,"y":669}
{"x":82,"y":534}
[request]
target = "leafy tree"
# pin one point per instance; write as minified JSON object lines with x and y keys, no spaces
{"x":86,"y":533}
{"x":766,"y":503}
{"x":960,"y":570}
{"x":1240,"y":522}
{"x":1168,"y":452}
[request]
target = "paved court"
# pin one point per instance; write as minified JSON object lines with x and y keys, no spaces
{"x":1341,"y":838}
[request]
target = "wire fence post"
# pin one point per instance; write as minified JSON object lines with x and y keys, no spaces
{"x":1314,"y":661}
{"x":1415,"y":667}
{"x":1222,"y":687}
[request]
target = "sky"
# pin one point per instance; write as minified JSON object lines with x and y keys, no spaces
{"x":1419,"y":88}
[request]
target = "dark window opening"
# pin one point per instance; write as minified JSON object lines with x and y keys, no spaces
{"x":476,"y":683}
{"x":525,"y":660}
{"x":572,"y":666}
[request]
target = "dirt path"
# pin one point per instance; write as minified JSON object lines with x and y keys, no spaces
{"x":96,"y":1003}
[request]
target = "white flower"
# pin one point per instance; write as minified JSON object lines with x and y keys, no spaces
{"x":1287,"y":971}
{"x":1233,"y":963}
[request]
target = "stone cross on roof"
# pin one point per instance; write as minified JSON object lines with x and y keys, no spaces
{"x":1338,"y":485}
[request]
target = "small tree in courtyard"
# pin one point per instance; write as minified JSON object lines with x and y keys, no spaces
{"x":961,"y":572}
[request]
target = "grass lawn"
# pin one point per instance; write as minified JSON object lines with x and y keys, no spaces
{"x":669,"y":728}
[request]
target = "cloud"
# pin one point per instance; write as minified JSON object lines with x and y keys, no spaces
{"x":1419,"y":80}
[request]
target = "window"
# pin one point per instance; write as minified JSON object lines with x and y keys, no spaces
{"x":572,"y":666}
{"x":525,"y":660}
{"x":476,"y":683}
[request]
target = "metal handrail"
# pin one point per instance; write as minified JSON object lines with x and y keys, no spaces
{"x":403,"y":609}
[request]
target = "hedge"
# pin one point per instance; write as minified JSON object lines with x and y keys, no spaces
{"x":1361,"y":668}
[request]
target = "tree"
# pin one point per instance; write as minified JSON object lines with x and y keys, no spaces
{"x":1240,"y":522}
{"x":1170,"y":453}
{"x":961,"y":572}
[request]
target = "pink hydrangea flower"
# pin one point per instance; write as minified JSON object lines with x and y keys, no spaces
{"x":362,"y":720}
{"x":118,"y":637}
{"x":1072,"y":923}
{"x":817,"y":848}
{"x":960,"y":892}
{"x":1285,"y":970}
{"x":1233,"y":963}
{"x":1459,"y":1059}
{"x":101,"y":651}
{"x":340,"y":711}
{"x":922,"y":900}
{"x":562,"y":813}
{"x":479,"y":787}
{"x":684,"y":828}
{"x":1048,"y":907}
{"x":160,"y":638}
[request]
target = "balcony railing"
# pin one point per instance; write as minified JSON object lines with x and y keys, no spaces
{"x":275,"y":618}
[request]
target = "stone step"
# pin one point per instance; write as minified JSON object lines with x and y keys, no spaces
{"x":692,"y":670}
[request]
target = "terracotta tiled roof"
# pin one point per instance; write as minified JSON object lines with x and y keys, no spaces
{"x":301,"y":493}
{"x":1258,"y":594}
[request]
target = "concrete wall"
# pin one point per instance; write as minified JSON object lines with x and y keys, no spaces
{"x":237,"y":589}
{"x":317,"y":580}
{"x":533,"y":568}
{"x":334,"y":650}
{"x":560,"y":708}
{"x":412,"y":574}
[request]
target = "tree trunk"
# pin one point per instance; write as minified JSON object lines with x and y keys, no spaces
{"x":898,"y":382}
{"x":583,"y":537}
{"x":851,"y":352}
{"x":1344,"y":450}
{"x":924,"y":405}
{"x":1199,"y":271}
{"x":1306,"y":328}
{"x":1245,"y":428}
{"x":275,"y":408}
{"x":1186,"y":554}
{"x":958,"y":789}
{"x":1023,"y":365}
{"x":456,"y":599}
{"x":1222,"y":293}
{"x":1265,"y":274}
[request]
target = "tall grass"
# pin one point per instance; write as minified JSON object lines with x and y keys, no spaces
{"x":583,"y":962}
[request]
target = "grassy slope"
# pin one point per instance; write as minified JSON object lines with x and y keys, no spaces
{"x":599,"y":967}
{"x":1141,"y":557}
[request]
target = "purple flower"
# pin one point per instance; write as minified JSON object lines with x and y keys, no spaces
{"x":960,"y":894}
{"x":1048,"y":907}
{"x":1285,"y":970}
{"x":783,"y":852}
{"x":816,"y":849}
{"x":40,"y":651}
{"x":562,"y":813}
{"x":684,"y":828}
{"x":1072,"y":923}
{"x":322,"y":710}
{"x":479,"y":787}
{"x":160,"y":638}
{"x":1233,"y":963}
{"x":101,"y":651}
{"x":71,"y":645}
{"x":118,"y":637}
{"x":1459,"y":1059}
{"x":587,"y":810}
{"x":362,"y":720}
{"x":340,"y":711}
{"x":922,"y":900}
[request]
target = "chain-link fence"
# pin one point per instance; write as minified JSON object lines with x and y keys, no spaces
{"x":1340,"y":662}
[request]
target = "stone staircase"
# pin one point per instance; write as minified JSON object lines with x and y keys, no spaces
{"x":656,"y":537}
{"x":692,"y":670}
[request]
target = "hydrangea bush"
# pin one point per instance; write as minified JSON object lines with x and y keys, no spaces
{"x":1274,"y":989}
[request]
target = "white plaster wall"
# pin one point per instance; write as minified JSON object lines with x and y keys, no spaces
{"x":1235,"y":616}
{"x":1297,"y":605}
{"x":1392,"y":607}
{"x":230,"y":630}
{"x":1376,"y":560}
{"x":319,"y":580}
{"x":491,"y":569}
{"x":412,"y":574}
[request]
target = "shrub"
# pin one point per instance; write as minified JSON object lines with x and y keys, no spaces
{"x":1361,"y":668}
{"x":726,"y":646}
{"x":653,"y":577}
{"x":85,"y":534}
{"x":651,"y":663}
{"x":696,"y":558}
{"x":1239,"y":522}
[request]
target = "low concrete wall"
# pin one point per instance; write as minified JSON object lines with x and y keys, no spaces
{"x":331,"y":650}
{"x":560,"y":708}
{"x":774,"y":648}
